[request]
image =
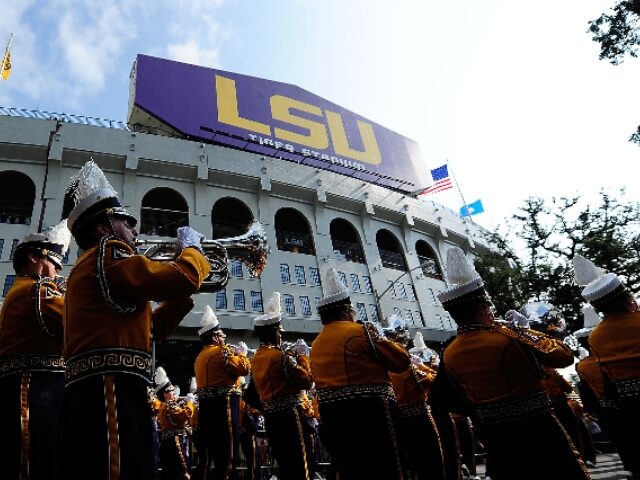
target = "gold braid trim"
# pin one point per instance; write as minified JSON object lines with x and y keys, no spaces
{"x":326,"y":395}
{"x":508,"y":411}
{"x":282,"y":403}
{"x":40,"y":363}
{"x":628,"y":388}
{"x":221,"y":391}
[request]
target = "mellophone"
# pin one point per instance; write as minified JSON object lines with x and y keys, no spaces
{"x":250,"y":248}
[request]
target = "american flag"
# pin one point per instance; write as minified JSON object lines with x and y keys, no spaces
{"x":442,"y":181}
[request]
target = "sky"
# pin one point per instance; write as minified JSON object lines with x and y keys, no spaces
{"x":510,"y":94}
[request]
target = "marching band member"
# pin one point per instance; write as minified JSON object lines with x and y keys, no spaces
{"x":358,"y":409}
{"x":491,"y":373}
{"x":281,"y":375}
{"x":614,"y":343}
{"x":418,"y":433}
{"x":219,"y":368}
{"x":108,"y":326}
{"x":173,"y":418}
{"x":31,"y":363}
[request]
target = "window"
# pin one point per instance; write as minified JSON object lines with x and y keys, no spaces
{"x":163,"y":210}
{"x":236,"y":268}
{"x":411,"y":292}
{"x":355,"y":283}
{"x":17,"y":195}
{"x":229,"y":218}
{"x":343,"y":279}
{"x":305,"y":305}
{"x":391,"y":287}
{"x":428,"y":260}
{"x":397,"y":312}
{"x":289,"y":306}
{"x":8,"y":282}
{"x":293,"y":233}
{"x":315,"y":276}
{"x":374,"y":312}
{"x":256,"y":301}
{"x":13,"y":248}
{"x":408,"y":315}
{"x":300,"y":276}
{"x":368,"y":288}
{"x":362,"y":312}
{"x":390,"y":250}
{"x":401,"y":291}
{"x":346,"y":241}
{"x":317,"y":299}
{"x":1,"y":245}
{"x":221,"y":299}
{"x":418,"y":319}
{"x":238,"y":299}
{"x":285,"y":276}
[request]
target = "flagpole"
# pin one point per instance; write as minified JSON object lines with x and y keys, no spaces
{"x":464,"y":202}
{"x":6,"y":50}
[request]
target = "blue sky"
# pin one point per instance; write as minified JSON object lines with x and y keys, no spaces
{"x":511,"y":94}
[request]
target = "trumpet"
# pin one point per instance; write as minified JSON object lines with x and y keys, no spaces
{"x":250,"y":248}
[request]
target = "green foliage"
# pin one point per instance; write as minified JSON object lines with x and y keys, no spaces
{"x":533,"y":257}
{"x":618,"y":32}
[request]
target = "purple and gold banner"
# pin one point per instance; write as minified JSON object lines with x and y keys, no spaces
{"x":276,"y":119}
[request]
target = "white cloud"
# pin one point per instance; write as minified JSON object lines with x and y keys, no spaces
{"x":191,"y":52}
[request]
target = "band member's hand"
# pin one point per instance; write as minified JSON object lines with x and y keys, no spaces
{"x":301,"y":347}
{"x":517,"y":319}
{"x":188,"y":237}
{"x":242,"y":348}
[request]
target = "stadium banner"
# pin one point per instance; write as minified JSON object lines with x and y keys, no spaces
{"x":271,"y":118}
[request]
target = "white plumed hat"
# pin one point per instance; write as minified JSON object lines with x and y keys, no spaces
{"x":272,"y":312}
{"x":53,"y":243}
{"x":467,"y":283}
{"x":591,"y":320}
{"x":209,"y":321}
{"x":161,"y":380}
{"x":335,"y":290}
{"x":597,"y":284}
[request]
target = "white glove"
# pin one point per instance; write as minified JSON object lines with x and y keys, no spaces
{"x":188,"y":237}
{"x":242,"y":348}
{"x":517,"y":319}
{"x":301,"y":347}
{"x":191,"y":397}
{"x":416,"y":360}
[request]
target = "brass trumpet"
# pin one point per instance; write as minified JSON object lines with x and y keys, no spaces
{"x":250,"y":248}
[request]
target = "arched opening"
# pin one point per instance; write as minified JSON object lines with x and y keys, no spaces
{"x":229,"y":218}
{"x":17,"y":195}
{"x":428,"y":260}
{"x":390,"y":250}
{"x":346,"y":241}
{"x":162,"y":212}
{"x":293,"y":233}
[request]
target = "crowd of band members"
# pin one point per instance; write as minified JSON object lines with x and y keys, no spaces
{"x":75,"y":363}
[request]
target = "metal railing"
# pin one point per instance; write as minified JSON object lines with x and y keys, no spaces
{"x":63,"y":117}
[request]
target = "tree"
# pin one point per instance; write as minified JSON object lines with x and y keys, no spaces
{"x":533,"y":258}
{"x":618,"y":33}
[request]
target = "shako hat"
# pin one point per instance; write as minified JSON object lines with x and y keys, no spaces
{"x":418,"y":344}
{"x":272,"y":312}
{"x":591,"y":320}
{"x":92,"y":194}
{"x":209,"y":321}
{"x":467,"y":283}
{"x":53,"y":243}
{"x":163,"y":384}
{"x":598,"y":285}
{"x":336,"y":292}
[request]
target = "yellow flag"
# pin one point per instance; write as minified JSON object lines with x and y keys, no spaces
{"x":6,"y":70}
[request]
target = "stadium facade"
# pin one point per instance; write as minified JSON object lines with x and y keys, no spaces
{"x":344,"y":206}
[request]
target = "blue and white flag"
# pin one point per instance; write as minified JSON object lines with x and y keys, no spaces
{"x":472,"y":209}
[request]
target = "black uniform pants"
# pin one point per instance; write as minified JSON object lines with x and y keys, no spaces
{"x":219,"y":421}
